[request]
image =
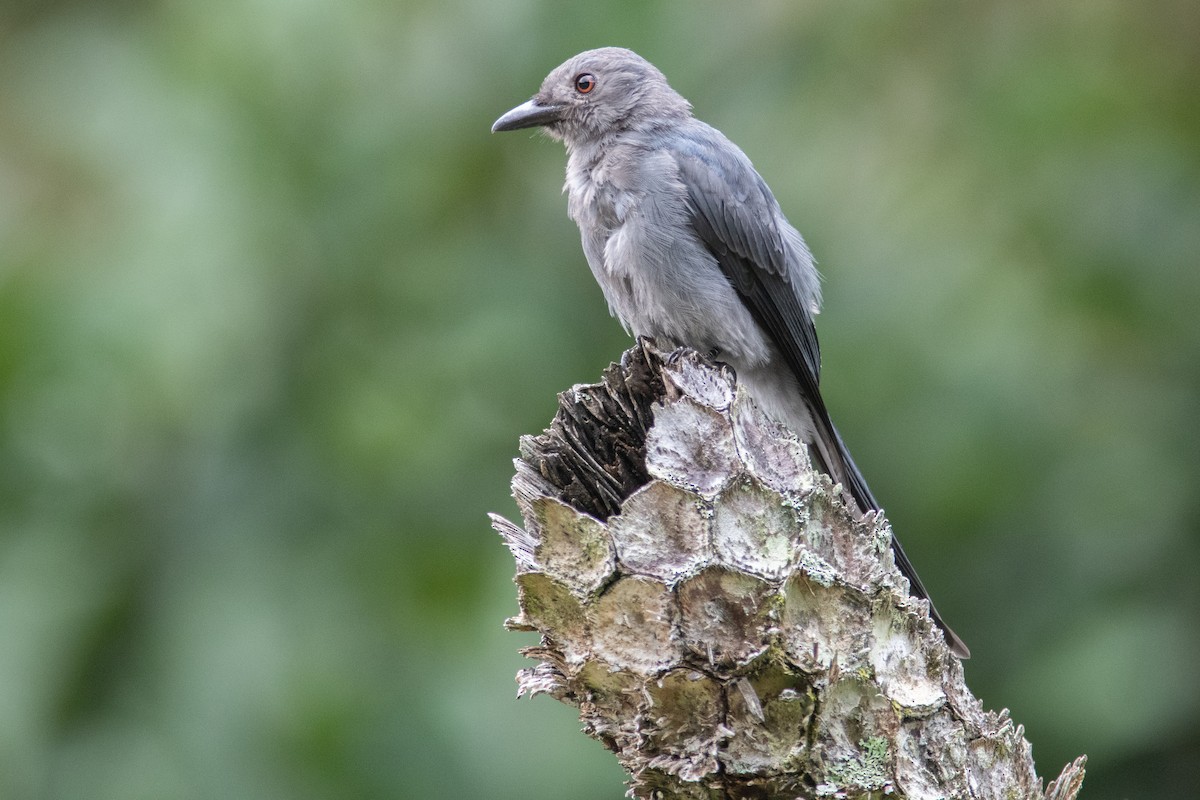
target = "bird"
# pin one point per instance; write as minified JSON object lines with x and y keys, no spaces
{"x":690,"y":246}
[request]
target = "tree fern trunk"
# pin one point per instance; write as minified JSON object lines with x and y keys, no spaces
{"x":721,"y":620}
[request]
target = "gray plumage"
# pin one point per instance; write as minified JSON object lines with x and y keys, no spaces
{"x":690,"y":247}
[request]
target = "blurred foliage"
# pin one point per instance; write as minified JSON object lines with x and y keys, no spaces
{"x":275,"y":307}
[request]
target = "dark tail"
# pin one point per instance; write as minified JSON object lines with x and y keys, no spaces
{"x":857,"y":486}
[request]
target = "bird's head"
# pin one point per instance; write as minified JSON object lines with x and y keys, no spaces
{"x":595,"y":94}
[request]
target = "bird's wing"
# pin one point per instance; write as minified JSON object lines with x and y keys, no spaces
{"x":736,"y":216}
{"x":738,"y":219}
{"x":734,"y":213}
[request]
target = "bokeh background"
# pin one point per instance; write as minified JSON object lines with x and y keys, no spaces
{"x":275,"y":307}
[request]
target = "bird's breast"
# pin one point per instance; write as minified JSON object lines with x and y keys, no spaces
{"x":658,"y":277}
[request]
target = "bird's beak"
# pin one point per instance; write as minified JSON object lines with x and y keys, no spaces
{"x":528,"y":115}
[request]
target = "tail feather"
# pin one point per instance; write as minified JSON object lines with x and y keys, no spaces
{"x":847,"y":472}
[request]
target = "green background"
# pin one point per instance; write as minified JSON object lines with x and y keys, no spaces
{"x":275,"y":307}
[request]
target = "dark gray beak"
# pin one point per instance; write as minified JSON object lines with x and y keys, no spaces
{"x":527,"y":115}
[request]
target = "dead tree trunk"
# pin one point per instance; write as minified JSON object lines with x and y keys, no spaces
{"x":721,"y":620}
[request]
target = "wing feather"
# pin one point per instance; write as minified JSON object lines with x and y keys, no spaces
{"x":738,"y":219}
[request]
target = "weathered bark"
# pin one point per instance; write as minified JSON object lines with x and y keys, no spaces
{"x":721,"y":620}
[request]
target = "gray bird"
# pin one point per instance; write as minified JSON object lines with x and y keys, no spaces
{"x":691,"y":248}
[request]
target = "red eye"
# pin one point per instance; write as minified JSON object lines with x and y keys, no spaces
{"x":585,"y":82}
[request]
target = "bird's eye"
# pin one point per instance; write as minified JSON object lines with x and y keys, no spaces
{"x":585,"y":82}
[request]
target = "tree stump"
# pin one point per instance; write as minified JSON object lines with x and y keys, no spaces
{"x":723,"y":621}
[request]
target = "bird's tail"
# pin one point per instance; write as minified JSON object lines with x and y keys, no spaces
{"x":838,"y":464}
